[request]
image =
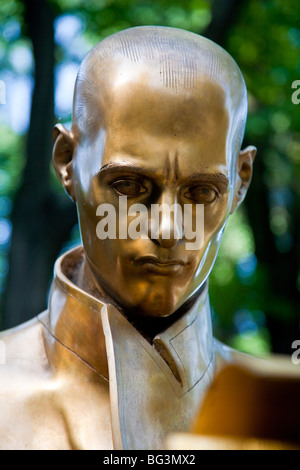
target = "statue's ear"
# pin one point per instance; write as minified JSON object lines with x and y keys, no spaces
{"x":62,"y":157}
{"x":243,"y":175}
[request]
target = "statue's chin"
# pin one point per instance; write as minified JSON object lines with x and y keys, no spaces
{"x":156,"y":307}
{"x":165,"y":306}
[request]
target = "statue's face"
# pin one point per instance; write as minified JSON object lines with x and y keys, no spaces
{"x":155,"y":146}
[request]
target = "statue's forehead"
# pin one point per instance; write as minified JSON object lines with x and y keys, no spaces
{"x":148,"y":104}
{"x":134,"y":104}
{"x":126,"y":89}
{"x":143,"y":119}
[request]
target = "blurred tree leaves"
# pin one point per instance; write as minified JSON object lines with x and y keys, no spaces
{"x":265,"y":43}
{"x":256,"y":280}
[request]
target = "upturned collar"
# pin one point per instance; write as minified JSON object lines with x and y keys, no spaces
{"x":154,"y":387}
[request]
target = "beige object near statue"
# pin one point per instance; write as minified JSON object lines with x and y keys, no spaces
{"x":125,"y":353}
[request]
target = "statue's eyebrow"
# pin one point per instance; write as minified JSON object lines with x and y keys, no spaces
{"x":217,"y":179}
{"x":113,"y":168}
{"x":214,"y":178}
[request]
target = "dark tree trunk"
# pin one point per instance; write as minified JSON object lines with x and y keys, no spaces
{"x":41,"y":223}
{"x":224,"y":14}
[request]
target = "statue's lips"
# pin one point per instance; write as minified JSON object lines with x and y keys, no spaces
{"x":159,"y":266}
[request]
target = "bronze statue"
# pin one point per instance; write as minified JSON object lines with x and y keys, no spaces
{"x":125,"y":352}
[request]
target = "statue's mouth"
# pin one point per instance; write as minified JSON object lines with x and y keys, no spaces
{"x":159,"y":265}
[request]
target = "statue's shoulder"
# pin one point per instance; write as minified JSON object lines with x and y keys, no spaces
{"x":23,"y":365}
{"x":29,"y":418}
{"x":22,"y":349}
{"x":23,"y":361}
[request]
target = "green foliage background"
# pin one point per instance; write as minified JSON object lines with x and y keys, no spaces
{"x":260,"y":249}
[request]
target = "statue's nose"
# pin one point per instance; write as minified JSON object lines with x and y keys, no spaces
{"x":166,"y":221}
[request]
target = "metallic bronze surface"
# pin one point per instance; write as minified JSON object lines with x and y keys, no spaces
{"x":125,"y":352}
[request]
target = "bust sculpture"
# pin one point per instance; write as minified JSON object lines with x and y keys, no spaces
{"x":125,"y":351}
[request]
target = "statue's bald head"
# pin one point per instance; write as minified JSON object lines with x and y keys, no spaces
{"x":173,"y":60}
{"x":158,"y":117}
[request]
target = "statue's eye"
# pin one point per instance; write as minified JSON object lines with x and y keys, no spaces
{"x":129,"y":187}
{"x":201,"y":194}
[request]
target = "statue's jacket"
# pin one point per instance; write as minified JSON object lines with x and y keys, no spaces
{"x":81,"y":376}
